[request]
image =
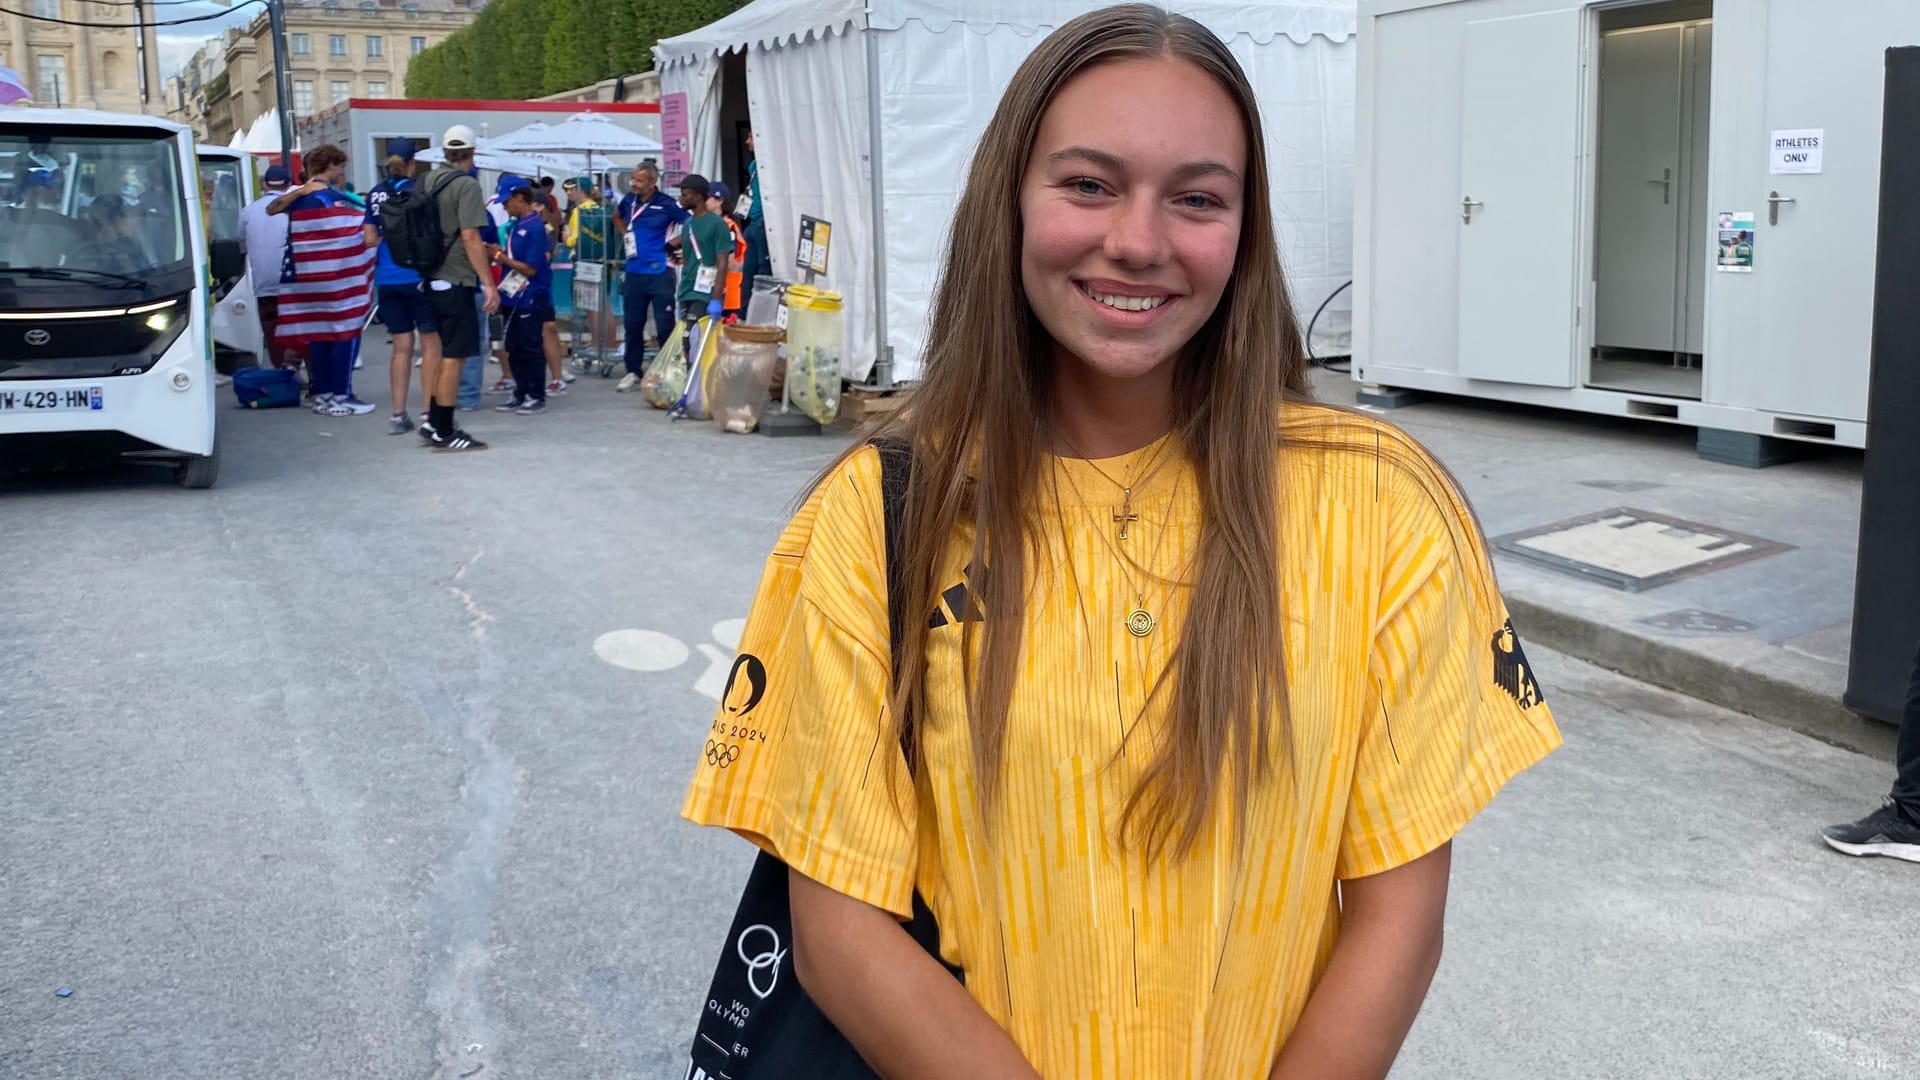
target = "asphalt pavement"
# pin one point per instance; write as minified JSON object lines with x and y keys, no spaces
{"x":367,"y":763}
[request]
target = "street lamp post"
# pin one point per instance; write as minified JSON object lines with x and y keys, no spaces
{"x":282,"y":77}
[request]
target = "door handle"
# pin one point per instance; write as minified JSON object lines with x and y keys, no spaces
{"x":1774,"y":199}
{"x":1666,"y":185}
{"x":1467,"y":203}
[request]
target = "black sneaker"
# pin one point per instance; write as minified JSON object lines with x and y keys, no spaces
{"x":1886,"y":831}
{"x":454,"y":441}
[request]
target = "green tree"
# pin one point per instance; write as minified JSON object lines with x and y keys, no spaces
{"x":519,"y":49}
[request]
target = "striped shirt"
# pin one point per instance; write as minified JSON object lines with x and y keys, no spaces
{"x":1410,"y":704}
{"x":327,"y":287}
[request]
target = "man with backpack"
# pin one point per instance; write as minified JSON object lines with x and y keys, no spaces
{"x":435,"y":229}
{"x":402,"y":296}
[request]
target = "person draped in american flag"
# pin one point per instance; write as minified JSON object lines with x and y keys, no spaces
{"x":326,"y":285}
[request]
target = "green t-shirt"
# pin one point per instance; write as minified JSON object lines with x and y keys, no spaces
{"x":707,"y":239}
{"x":461,"y":207}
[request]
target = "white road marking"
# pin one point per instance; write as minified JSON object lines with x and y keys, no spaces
{"x":640,"y":650}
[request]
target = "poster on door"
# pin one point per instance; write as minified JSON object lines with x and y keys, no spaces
{"x":1734,"y":253}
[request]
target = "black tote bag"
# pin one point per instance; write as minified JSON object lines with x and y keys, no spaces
{"x":758,"y":1022}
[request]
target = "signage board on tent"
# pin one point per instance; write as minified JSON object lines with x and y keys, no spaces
{"x":815,"y":236}
{"x":676,"y":139}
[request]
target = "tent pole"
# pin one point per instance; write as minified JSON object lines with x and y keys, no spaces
{"x":881,"y":377}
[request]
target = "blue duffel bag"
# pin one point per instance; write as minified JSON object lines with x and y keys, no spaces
{"x":266,"y":388}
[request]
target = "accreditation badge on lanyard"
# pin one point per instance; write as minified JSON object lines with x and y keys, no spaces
{"x":633,"y":245}
{"x":704,"y":277}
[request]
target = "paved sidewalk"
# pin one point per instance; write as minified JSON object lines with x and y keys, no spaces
{"x":1768,"y":636}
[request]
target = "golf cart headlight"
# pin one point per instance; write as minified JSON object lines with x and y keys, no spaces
{"x":159,"y":321}
{"x":182,"y":380}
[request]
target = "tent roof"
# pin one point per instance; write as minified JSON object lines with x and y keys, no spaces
{"x":770,"y":24}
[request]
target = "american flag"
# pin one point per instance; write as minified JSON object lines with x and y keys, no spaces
{"x":327,"y":284}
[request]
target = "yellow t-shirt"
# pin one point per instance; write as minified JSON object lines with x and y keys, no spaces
{"x":1411,"y":704}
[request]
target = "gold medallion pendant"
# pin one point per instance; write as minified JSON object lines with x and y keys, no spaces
{"x":1140,"y":622}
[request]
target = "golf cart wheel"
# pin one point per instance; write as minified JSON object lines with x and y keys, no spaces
{"x":199,"y":473}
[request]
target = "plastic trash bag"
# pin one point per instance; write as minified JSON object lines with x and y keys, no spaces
{"x":666,"y":377}
{"x":705,"y":351}
{"x":737,"y":388}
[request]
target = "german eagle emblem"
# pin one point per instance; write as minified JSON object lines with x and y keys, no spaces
{"x":1511,"y":671}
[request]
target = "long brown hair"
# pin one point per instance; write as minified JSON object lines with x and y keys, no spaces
{"x":979,"y":426}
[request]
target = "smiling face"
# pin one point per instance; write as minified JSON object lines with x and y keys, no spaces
{"x":1131,"y":221}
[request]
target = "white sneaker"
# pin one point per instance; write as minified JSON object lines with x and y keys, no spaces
{"x":627,"y":382}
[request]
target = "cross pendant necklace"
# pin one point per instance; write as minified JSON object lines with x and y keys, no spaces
{"x":1125,"y":516}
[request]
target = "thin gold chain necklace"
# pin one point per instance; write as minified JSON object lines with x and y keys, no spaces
{"x":1123,"y":517}
{"x":1140,"y":621}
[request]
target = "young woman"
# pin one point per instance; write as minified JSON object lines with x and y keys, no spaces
{"x":1202,"y":678}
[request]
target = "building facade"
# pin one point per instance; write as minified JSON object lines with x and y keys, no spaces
{"x":98,"y":65}
{"x":336,"y":50}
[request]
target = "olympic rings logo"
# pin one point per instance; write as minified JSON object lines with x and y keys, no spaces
{"x":720,"y":755}
{"x":767,"y":960}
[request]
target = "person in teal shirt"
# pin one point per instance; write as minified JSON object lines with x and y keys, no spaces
{"x":759,"y":251}
{"x":706,"y":246}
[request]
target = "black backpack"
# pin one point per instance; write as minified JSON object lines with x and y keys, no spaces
{"x":410,"y":225}
{"x":758,"y":1022}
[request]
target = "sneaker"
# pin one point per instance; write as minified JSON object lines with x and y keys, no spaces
{"x":557,"y":386}
{"x":626,"y":383}
{"x":565,"y":375}
{"x":504,"y":386}
{"x":532,"y":408}
{"x":322,"y":404}
{"x":507,"y":406}
{"x":355,"y":406}
{"x":1886,"y":831}
{"x":398,"y":424}
{"x":453,"y":442}
{"x":334,"y":407}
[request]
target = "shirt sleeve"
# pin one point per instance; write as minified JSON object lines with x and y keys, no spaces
{"x":801,"y":757}
{"x":469,"y":208}
{"x":1455,"y":709}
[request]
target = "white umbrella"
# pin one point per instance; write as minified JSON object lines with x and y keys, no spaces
{"x":526,"y":164}
{"x":590,"y":132}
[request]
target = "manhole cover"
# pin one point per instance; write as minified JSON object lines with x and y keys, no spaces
{"x":1695,"y":621}
{"x":1622,"y":487}
{"x":1635,"y":550}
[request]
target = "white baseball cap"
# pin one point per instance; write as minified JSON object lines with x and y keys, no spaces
{"x":458,"y":137}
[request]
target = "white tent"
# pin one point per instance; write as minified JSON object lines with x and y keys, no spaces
{"x":858,"y":103}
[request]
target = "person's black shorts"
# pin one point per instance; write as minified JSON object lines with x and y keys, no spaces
{"x":693,"y":310}
{"x":404,"y":309}
{"x":459,"y":321}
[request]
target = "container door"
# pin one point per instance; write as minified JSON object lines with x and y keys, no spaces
{"x":1519,"y":196}
{"x":1637,"y":235}
{"x":1813,"y":270}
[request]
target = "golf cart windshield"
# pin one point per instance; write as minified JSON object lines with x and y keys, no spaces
{"x":91,"y":217}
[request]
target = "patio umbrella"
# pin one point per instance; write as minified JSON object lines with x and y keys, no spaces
{"x":12,"y":87}
{"x":528,"y":163}
{"x":591,"y":133}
